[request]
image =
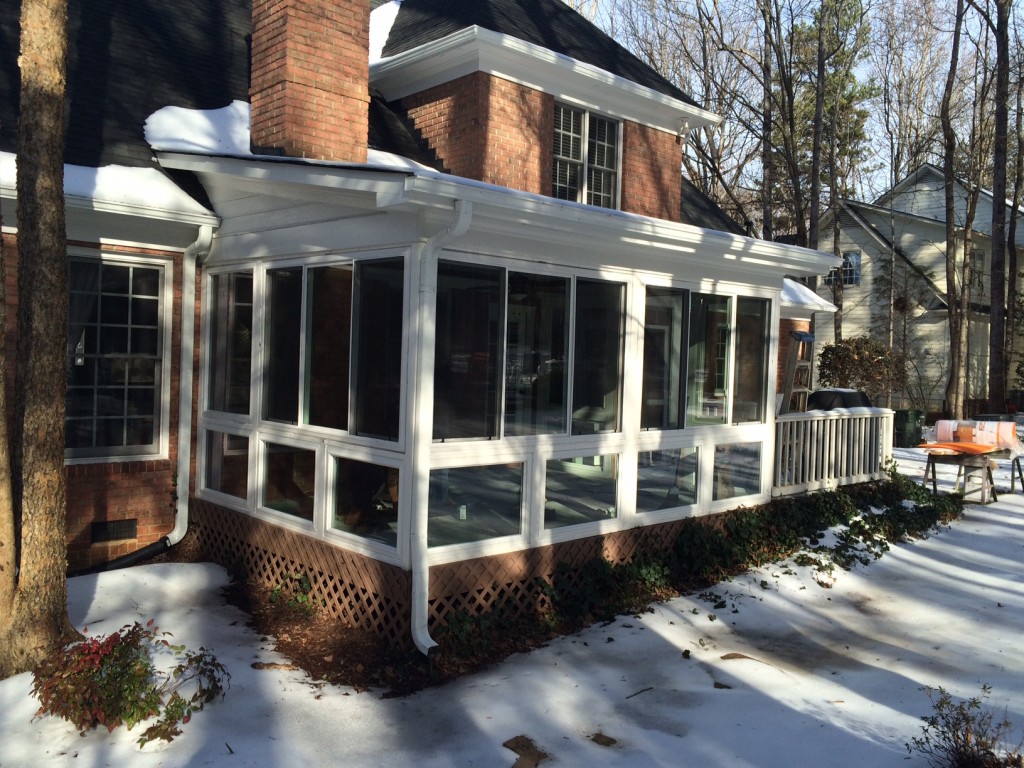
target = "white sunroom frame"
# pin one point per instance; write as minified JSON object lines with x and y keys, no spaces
{"x":278,"y":212}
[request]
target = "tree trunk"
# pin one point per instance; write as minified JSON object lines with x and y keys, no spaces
{"x":767,"y":224}
{"x":35,"y":620}
{"x":957,"y":322}
{"x":997,"y":288}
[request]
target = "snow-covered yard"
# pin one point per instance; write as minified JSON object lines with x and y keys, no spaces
{"x":787,"y":673}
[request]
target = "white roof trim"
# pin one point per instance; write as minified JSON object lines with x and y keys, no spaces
{"x":513,"y":212}
{"x":799,"y":301}
{"x":127,"y":191}
{"x":475,"y":49}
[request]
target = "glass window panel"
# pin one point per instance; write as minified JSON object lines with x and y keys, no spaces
{"x":79,"y":402}
{"x":139,"y":431}
{"x":81,"y":373}
{"x":329,"y":332}
{"x":145,"y":311}
{"x":707,"y":360}
{"x":145,"y":282}
{"x":110,"y":401}
{"x":751,"y":367}
{"x":114,"y":278}
{"x":111,"y":330}
{"x":113,"y":340}
{"x":665,"y":321}
{"x":80,"y":433}
{"x":580,"y":490}
{"x":144,"y":341}
{"x":112,"y":371}
{"x":227,"y":464}
{"x":380,"y":292}
{"x":110,"y":432}
{"x":467,"y":351}
{"x":597,"y":367}
{"x":282,"y":333}
{"x":474,"y":503}
{"x":537,"y":340}
{"x":140,"y":400}
{"x":142,"y":372}
{"x":289,"y":480}
{"x":231,"y":342}
{"x":114,"y":309}
{"x":666,"y":479}
{"x":737,"y":470}
{"x":366,"y":500}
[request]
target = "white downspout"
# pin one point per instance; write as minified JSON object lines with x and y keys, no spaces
{"x":422,"y":407}
{"x":193,"y":255}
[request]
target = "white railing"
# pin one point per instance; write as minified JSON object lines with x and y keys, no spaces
{"x":826,"y":449}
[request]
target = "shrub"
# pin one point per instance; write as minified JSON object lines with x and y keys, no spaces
{"x":964,"y":734}
{"x":112,"y":680}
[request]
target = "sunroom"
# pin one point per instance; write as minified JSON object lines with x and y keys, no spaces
{"x":421,"y":370}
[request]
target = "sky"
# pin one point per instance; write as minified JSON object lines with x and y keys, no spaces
{"x":799,"y":668}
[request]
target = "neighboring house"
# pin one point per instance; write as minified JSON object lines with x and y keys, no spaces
{"x":422,"y":330}
{"x":899,"y":242}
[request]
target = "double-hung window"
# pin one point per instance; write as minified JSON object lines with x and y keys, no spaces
{"x":115,"y":358}
{"x":585,"y":157}
{"x":849,"y":273}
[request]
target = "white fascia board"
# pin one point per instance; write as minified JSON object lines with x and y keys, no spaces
{"x":475,"y":49}
{"x":515,"y":214}
{"x":121,"y":208}
{"x":140,"y":211}
{"x":386,"y":185}
{"x":557,"y":221}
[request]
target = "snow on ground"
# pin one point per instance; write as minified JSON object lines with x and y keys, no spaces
{"x":788,"y":673}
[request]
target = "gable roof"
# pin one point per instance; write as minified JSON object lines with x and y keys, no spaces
{"x":126,"y":60}
{"x":550,"y":24}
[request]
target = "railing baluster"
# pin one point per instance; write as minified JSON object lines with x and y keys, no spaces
{"x":821,"y":449}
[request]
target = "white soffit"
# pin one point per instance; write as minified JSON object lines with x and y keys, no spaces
{"x":476,"y":49}
{"x":799,"y":301}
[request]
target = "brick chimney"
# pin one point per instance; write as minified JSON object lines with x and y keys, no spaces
{"x":310,"y":72}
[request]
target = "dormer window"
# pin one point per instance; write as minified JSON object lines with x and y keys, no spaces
{"x":585,"y":163}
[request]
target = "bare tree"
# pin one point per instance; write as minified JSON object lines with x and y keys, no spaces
{"x":33,"y":611}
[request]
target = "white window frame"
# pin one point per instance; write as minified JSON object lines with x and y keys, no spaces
{"x":585,"y":162}
{"x":160,"y":447}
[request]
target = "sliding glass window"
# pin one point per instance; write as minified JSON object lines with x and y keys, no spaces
{"x":751,"y":367}
{"x":665,"y":322}
{"x":467,"y":350}
{"x":537,"y":339}
{"x":321,"y":322}
{"x":707,"y":383}
{"x":597,"y":365}
{"x":328,"y":346}
{"x":231,"y":343}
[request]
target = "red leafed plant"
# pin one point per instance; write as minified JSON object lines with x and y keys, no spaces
{"x":112,"y":680}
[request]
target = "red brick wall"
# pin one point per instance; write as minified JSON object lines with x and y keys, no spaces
{"x":785,"y":342}
{"x":309,"y":91}
{"x":651,"y":172}
{"x":111,"y":491}
{"x":489,"y":129}
{"x":140,"y":490}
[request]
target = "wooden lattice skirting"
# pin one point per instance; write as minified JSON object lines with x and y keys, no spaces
{"x":376,"y":596}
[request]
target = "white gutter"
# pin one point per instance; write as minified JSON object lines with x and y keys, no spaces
{"x":193,"y":255}
{"x":422,"y":407}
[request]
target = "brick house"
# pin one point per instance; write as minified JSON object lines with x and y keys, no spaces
{"x":419,"y":306}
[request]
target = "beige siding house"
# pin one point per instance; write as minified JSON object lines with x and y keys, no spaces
{"x":893,"y":254}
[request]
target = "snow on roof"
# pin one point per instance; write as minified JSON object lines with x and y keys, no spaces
{"x":225,"y":131}
{"x":797,"y":296}
{"x":381,"y":21}
{"x":119,"y":185}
